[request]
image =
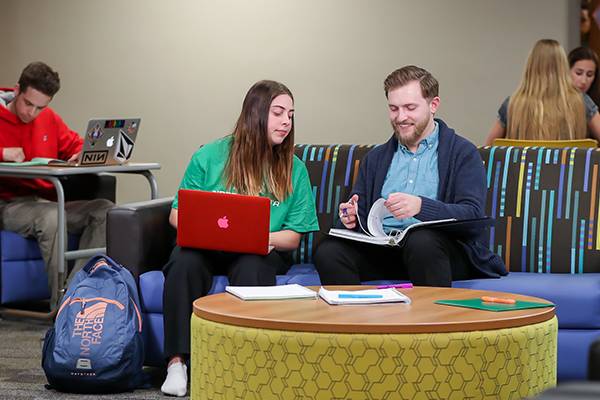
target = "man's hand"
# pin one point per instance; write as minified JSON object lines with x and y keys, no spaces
{"x":74,"y":157}
{"x":403,"y":205}
{"x":348,"y":212}
{"x":14,"y":154}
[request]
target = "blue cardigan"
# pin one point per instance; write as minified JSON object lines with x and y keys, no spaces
{"x":461,"y":191}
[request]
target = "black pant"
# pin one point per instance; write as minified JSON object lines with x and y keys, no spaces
{"x":189,"y":275}
{"x":426,"y":257}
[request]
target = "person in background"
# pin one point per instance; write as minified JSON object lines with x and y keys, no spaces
{"x":583,"y":62}
{"x":256,"y":159}
{"x":29,"y":128}
{"x":425,"y":172}
{"x":546,"y":105}
{"x":585,"y":24}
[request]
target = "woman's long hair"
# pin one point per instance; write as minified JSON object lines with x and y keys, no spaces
{"x":254,"y":166}
{"x":546,"y":105}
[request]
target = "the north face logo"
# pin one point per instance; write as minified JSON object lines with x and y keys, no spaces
{"x":89,"y":325}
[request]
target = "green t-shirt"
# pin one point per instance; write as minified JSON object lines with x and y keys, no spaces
{"x":297,"y":212}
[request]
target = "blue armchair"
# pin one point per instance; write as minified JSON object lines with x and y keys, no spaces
{"x":23,"y":276}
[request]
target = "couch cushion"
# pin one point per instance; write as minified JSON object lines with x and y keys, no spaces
{"x":16,"y":247}
{"x":23,"y":280}
{"x":302,"y":269}
{"x":151,"y":291}
{"x":218,"y":285}
{"x":309,"y":279}
{"x":573,"y":353}
{"x":577,"y":296}
{"x":23,"y":274}
{"x":153,"y":334}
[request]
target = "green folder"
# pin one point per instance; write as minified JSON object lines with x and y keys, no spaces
{"x":483,"y":305}
{"x":35,"y":162}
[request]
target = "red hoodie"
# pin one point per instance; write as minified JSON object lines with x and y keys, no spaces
{"x":46,"y":136}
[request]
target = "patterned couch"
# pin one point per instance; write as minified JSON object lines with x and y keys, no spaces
{"x":545,"y":203}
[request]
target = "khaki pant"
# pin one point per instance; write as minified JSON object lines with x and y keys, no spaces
{"x":38,"y":218}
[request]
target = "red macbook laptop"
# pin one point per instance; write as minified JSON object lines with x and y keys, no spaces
{"x":223,"y":221}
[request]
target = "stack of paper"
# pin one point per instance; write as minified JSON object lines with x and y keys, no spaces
{"x":281,"y":292}
{"x":368,"y":296}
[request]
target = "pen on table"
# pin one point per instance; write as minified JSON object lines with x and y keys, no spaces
{"x":501,"y":300}
{"x":359,"y":296}
{"x":396,"y":286}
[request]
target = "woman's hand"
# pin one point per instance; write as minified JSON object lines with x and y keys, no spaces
{"x":285,"y":240}
{"x":173,"y":218}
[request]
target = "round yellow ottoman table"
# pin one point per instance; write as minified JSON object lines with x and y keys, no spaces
{"x":307,"y":349}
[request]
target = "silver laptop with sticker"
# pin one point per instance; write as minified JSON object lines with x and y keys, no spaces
{"x":109,"y":141}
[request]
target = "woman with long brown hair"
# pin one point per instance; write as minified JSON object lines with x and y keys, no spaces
{"x":583,"y":62}
{"x":546,"y":105}
{"x":256,"y":159}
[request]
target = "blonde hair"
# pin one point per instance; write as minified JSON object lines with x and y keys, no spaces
{"x":254,"y":166}
{"x":546,"y":105}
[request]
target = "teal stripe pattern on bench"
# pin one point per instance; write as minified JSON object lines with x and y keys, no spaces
{"x":546,"y":203}
{"x":333,"y":170}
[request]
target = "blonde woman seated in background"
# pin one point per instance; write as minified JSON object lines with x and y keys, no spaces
{"x":546,"y":105}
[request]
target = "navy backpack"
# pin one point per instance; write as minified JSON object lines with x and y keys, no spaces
{"x":96,"y":345}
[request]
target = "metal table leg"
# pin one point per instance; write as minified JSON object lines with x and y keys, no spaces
{"x":153,"y":184}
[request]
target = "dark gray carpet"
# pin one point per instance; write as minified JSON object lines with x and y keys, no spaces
{"x":21,"y":374}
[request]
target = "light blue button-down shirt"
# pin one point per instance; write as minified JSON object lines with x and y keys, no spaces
{"x":412,"y":173}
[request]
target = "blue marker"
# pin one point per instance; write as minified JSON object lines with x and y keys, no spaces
{"x":345,"y":210}
{"x":359,"y":296}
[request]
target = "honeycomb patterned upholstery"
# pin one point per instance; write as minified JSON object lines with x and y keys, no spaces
{"x":234,"y":362}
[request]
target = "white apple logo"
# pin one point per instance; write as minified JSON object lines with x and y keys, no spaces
{"x":110,"y":141}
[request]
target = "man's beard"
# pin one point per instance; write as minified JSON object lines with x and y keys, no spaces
{"x":413,"y":137}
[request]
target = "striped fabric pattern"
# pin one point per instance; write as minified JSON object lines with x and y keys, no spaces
{"x":333,"y":169}
{"x":545,"y":202}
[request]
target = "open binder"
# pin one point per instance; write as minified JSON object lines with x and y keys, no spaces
{"x":376,"y":235}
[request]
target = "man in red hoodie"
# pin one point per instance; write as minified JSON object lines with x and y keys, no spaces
{"x":29,"y":129}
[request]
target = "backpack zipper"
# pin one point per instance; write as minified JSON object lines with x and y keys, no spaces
{"x":104,"y":299}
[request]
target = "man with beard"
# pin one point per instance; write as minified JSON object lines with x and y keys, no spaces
{"x":425,"y":172}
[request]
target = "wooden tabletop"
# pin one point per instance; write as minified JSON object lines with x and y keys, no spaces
{"x":421,"y":316}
